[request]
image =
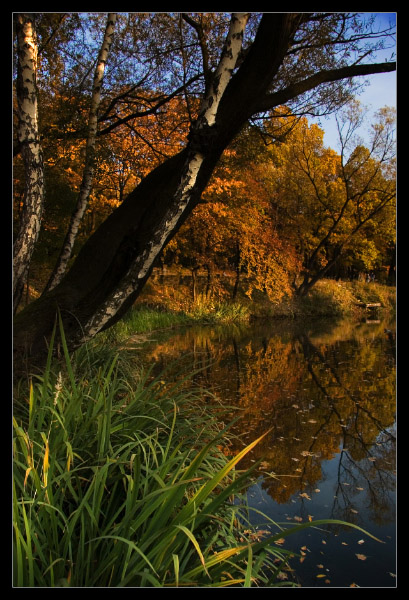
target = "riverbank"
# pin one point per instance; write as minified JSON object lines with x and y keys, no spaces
{"x":122,"y":479}
{"x":162,"y":307}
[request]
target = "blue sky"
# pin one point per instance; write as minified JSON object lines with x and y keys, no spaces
{"x":380,"y":92}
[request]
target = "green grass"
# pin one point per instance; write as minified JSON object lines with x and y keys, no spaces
{"x":142,"y":318}
{"x":120,"y":480}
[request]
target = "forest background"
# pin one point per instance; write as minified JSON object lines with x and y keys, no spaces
{"x":118,"y":95}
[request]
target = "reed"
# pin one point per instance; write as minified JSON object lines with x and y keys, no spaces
{"x":120,"y":481}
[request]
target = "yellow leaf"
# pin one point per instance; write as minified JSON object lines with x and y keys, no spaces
{"x":321,"y":575}
{"x":361,"y":556}
{"x":25,"y":478}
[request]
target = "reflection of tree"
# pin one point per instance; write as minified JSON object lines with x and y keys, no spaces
{"x":367,"y":446}
{"x":321,"y":396}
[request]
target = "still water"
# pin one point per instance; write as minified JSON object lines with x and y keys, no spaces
{"x":326,"y":391}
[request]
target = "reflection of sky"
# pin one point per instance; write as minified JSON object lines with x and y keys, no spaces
{"x":380,"y":91}
{"x":333,"y":555}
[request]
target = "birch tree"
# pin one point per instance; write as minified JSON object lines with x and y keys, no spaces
{"x":190,"y":171}
{"x":286,"y":59}
{"x":29,"y":140}
{"x":89,"y":168}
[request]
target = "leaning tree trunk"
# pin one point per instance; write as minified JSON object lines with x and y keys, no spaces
{"x":28,"y":138}
{"x":89,"y":168}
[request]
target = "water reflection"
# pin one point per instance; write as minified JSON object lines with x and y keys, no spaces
{"x":326,"y":391}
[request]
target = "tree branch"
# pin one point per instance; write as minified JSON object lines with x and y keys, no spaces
{"x":149,"y":111}
{"x":274,"y":99}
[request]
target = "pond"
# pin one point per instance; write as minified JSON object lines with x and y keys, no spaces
{"x":326,"y":393}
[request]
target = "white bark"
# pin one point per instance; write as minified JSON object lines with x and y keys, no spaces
{"x":89,"y":168}
{"x":143,"y":263}
{"x":28,"y":137}
{"x":225,"y":68}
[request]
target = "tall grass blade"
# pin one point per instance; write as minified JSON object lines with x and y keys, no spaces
{"x":196,"y":545}
{"x":66,"y":354}
{"x":247,"y":580}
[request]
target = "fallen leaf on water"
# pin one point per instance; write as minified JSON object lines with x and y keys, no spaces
{"x":304,"y":495}
{"x":344,"y":543}
{"x":361,"y":541}
{"x":280,"y":541}
{"x":312,"y":421}
{"x":296,"y":459}
{"x":354,"y":585}
{"x":372,"y":459}
{"x":310,"y":517}
{"x":360,"y":489}
{"x":361,"y":556}
{"x":320,"y":566}
{"x":317,"y":490}
{"x":327,"y":581}
{"x":392,"y":574}
{"x":321,"y":575}
{"x":298,"y":519}
{"x":354,"y":511}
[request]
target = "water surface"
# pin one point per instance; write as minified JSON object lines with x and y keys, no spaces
{"x":326,"y":393}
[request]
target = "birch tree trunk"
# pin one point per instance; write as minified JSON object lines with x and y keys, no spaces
{"x":89,"y":168}
{"x":28,"y":137}
{"x":141,"y":267}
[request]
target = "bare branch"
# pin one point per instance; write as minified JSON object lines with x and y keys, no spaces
{"x":274,"y":99}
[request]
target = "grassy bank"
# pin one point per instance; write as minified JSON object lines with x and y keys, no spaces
{"x":162,"y":307}
{"x":338,"y":299}
{"x":122,"y":480}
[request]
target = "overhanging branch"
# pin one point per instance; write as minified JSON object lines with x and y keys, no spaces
{"x":274,"y":99}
